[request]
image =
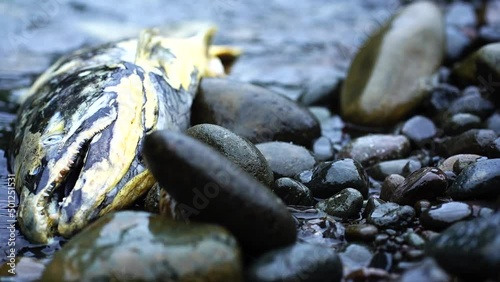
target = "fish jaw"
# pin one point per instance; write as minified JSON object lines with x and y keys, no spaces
{"x":65,"y":183}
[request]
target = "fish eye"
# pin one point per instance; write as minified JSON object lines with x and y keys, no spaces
{"x":52,"y":139}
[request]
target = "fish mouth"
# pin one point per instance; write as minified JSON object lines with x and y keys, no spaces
{"x":41,"y":224}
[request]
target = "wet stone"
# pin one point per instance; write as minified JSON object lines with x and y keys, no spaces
{"x":459,"y":161}
{"x":345,"y":204}
{"x":389,"y":185}
{"x":25,"y":268}
{"x":382,"y":260}
{"x":371,"y":149}
{"x":333,"y":129}
{"x":323,"y":149}
{"x":293,"y":192}
{"x":459,"y":123}
{"x":444,"y":215}
{"x":388,"y":89}
{"x":140,"y":246}
{"x":420,"y":130}
{"x":493,"y":123}
{"x":425,"y":183}
{"x":391,"y":215}
{"x":237,"y":149}
{"x":413,"y":239}
{"x":330,"y":178}
{"x":402,"y":167}
{"x":461,"y":22}
{"x":489,"y":33}
{"x":472,"y":103}
{"x":355,"y":256}
{"x":478,"y":180}
{"x":474,"y":141}
{"x":469,"y":249}
{"x":201,"y":180}
{"x":304,"y":262}
{"x":421,"y":206}
{"x":361,"y":232}
{"x":371,"y":204}
{"x":152,"y":200}
{"x":253,"y":112}
{"x":321,"y":113}
{"x":427,"y":270}
{"x":285,"y":159}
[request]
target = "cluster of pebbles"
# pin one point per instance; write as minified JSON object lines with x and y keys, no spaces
{"x":397,"y":181}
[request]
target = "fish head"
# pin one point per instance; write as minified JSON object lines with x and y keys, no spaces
{"x":78,"y":149}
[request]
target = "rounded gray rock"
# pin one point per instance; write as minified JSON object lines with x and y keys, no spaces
{"x":236,"y":148}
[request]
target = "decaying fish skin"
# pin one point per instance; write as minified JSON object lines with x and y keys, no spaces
{"x":78,"y":138}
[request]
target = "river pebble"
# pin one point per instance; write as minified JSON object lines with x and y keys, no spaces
{"x":211,"y":188}
{"x":443,"y":215}
{"x":285,"y":159}
{"x":238,"y":149}
{"x":299,"y":262}
{"x":469,"y":249}
{"x":253,"y":112}
{"x":139,"y":246}
{"x":371,"y":149}
{"x":345,"y":204}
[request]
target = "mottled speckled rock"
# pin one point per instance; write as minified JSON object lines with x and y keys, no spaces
{"x":384,"y":83}
{"x":253,"y":112}
{"x":391,"y":215}
{"x":239,"y":150}
{"x":138,"y":246}
{"x":443,"y":215}
{"x":478,"y":180}
{"x":285,"y":159}
{"x":374,"y":148}
{"x":425,"y":183}
{"x":304,"y":262}
{"x":469,"y":249}
{"x":211,"y":188}
{"x":345,"y":204}
{"x":292,"y":192}
{"x":329,"y":178}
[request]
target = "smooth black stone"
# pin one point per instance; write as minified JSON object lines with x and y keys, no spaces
{"x":299,"y":262}
{"x":391,"y":215}
{"x":478,"y":180}
{"x":389,"y":185}
{"x":494,"y":149}
{"x":402,"y":167}
{"x":419,"y":129}
{"x":285,"y":159}
{"x":292,"y":192}
{"x":382,"y":260}
{"x":459,"y":123}
{"x":211,"y":188}
{"x":345,"y":204}
{"x":236,"y":148}
{"x":444,"y":215}
{"x":361,"y":232}
{"x":469,"y":249}
{"x":330,"y":178}
{"x":474,"y":141}
{"x":421,"y":206}
{"x":425,"y":183}
{"x":258,"y":114}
